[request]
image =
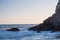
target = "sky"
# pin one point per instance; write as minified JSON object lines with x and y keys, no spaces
{"x":26,"y":11}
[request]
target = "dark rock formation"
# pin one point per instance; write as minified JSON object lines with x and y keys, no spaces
{"x":51,"y":23}
{"x":13,"y":29}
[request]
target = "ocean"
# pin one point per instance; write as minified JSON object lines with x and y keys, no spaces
{"x":25,"y":34}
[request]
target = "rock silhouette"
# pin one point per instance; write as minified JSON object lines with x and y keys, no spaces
{"x":13,"y":29}
{"x":51,"y":23}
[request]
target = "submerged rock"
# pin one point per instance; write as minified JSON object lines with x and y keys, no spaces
{"x":51,"y":23}
{"x":57,"y":37}
{"x":13,"y":29}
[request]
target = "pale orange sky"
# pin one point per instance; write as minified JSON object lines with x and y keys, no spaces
{"x":26,"y":11}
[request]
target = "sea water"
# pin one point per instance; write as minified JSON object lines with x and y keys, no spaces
{"x":25,"y":34}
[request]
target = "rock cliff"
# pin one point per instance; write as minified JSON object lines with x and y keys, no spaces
{"x":51,"y":23}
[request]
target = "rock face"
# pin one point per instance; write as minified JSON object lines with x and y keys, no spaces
{"x":13,"y":29}
{"x":51,"y":23}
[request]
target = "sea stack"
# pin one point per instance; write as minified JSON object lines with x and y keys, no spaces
{"x":51,"y":23}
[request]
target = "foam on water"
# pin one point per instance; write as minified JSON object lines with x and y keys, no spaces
{"x":28,"y":35}
{"x":24,"y":34}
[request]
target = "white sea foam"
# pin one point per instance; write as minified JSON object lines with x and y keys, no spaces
{"x":25,"y":34}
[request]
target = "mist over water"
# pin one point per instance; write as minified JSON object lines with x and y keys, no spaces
{"x":25,"y":34}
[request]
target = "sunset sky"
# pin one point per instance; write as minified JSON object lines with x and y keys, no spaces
{"x":26,"y":11}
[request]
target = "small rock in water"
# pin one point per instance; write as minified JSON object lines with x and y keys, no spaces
{"x":13,"y":29}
